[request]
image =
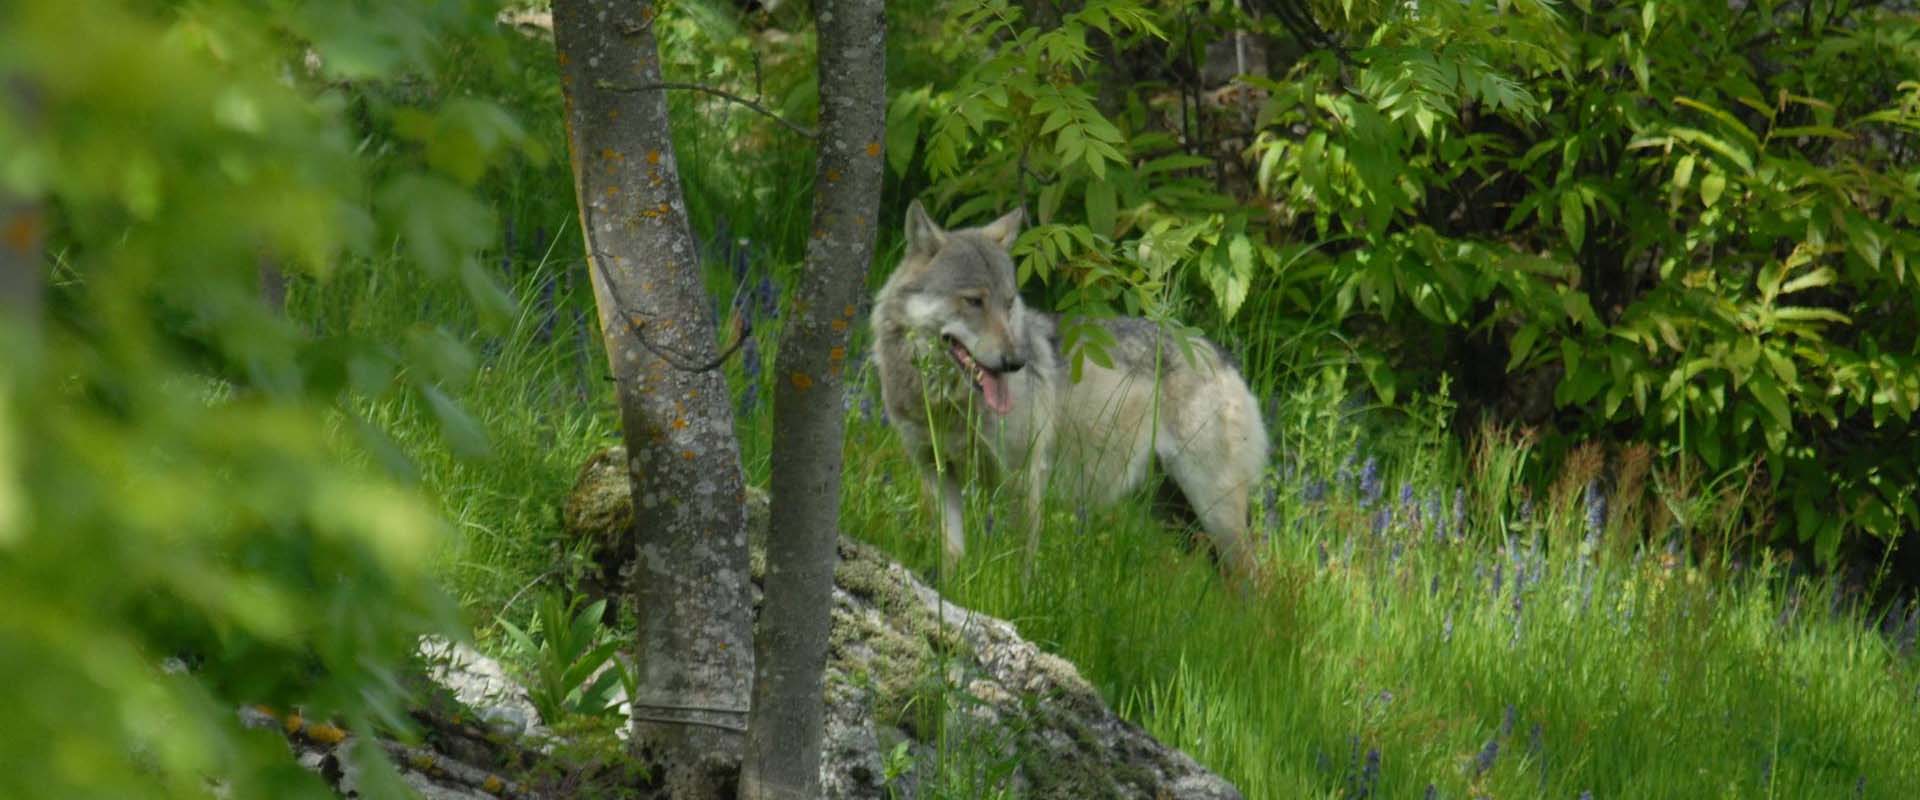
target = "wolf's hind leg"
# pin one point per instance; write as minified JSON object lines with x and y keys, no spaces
{"x":1219,"y":499}
{"x":1217,"y":463}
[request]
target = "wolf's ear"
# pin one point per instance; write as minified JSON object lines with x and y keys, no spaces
{"x":924,"y":236}
{"x":1005,"y":229}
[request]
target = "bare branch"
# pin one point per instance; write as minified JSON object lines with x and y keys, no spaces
{"x":716,"y":92}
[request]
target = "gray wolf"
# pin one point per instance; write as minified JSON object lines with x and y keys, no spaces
{"x":962,"y":361}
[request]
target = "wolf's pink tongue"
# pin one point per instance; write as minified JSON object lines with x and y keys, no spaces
{"x":995,"y":388}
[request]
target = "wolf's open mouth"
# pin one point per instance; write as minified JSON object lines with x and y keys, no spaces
{"x":992,"y":385}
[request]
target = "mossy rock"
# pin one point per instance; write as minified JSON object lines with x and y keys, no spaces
{"x":905,"y":666}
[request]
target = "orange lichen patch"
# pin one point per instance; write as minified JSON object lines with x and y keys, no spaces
{"x":802,"y":381}
{"x":493,"y":785}
{"x":292,"y":722}
{"x":653,"y":157}
{"x":687,"y":454}
{"x":848,"y":312}
{"x":611,"y":154}
{"x":656,"y":212}
{"x":837,"y":354}
{"x":839,"y":326}
{"x":833,"y":175}
{"x":421,"y":761}
{"x":679,"y":423}
{"x":322,"y":733}
{"x":873,"y":149}
{"x":563,"y":58}
{"x":654,"y":179}
{"x":819,"y":233}
{"x":613,"y":191}
{"x":21,"y":232}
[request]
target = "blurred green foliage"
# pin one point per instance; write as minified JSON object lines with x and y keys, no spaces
{"x":1692,"y":222}
{"x":191,"y":518}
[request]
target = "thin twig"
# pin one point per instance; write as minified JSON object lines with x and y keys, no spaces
{"x":636,"y":320}
{"x":716,"y":92}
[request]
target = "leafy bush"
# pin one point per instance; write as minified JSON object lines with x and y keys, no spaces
{"x":1692,"y":221}
{"x":189,"y":518}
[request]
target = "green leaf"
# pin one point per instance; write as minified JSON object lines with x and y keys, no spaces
{"x":1817,"y":278}
{"x":1573,"y":218}
{"x":1683,"y":171}
{"x":1764,"y":389}
{"x":1711,"y":188}
{"x":1100,"y":208}
{"x":1522,"y":345}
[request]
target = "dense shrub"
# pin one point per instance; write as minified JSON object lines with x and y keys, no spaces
{"x":190,"y":519}
{"x":1691,"y":221}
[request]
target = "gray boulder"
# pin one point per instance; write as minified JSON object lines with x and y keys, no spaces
{"x":908,"y":671}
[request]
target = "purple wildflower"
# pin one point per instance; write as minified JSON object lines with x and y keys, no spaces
{"x":1460,"y":511}
{"x":1586,"y":794}
{"x":1370,"y":487}
{"x":1315,"y":491}
{"x":750,"y":372}
{"x":1506,"y":722}
{"x":1498,"y":568}
{"x":1439,"y":520}
{"x":1432,"y":793}
{"x":1488,"y":754}
{"x":1407,"y":503}
{"x":1370,"y":774}
{"x":769,"y":298}
{"x":1596,"y":512}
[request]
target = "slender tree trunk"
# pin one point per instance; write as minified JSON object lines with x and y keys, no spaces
{"x":22,"y":232}
{"x":22,"y":270}
{"x":809,"y":420}
{"x":690,"y":576}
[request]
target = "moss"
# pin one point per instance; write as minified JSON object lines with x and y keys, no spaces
{"x":1079,"y":771}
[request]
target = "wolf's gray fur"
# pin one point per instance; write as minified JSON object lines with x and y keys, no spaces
{"x":963,"y":360}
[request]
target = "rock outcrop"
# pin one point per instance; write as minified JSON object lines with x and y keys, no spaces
{"x":918,"y":687}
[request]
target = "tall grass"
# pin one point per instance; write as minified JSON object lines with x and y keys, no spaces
{"x":1418,"y":635}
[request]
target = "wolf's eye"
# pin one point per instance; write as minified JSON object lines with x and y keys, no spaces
{"x":977,"y":302}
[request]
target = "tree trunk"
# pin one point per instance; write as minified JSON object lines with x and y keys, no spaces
{"x":22,"y":271}
{"x":809,"y":420}
{"x":690,"y":576}
{"x":22,"y":232}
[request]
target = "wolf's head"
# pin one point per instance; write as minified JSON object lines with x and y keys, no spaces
{"x":957,"y":288}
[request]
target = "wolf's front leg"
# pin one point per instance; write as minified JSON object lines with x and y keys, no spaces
{"x":1035,"y":476}
{"x":943,"y":486}
{"x":953,"y":532}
